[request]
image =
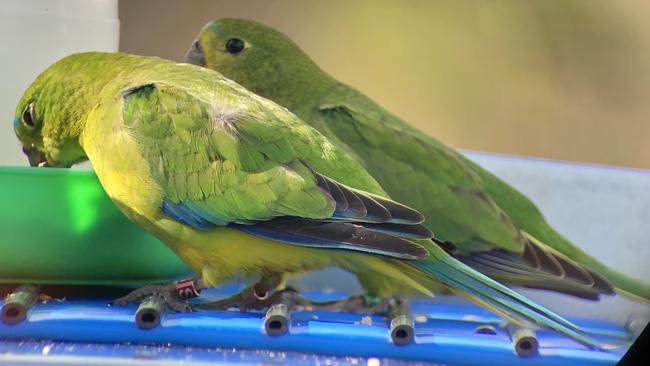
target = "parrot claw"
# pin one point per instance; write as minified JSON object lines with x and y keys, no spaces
{"x":168,"y":293}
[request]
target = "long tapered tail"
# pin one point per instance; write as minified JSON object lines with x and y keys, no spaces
{"x":478,"y":287}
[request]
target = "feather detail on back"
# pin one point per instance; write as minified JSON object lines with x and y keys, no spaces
{"x":237,"y":166}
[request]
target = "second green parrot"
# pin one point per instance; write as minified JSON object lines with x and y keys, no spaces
{"x":497,"y":229}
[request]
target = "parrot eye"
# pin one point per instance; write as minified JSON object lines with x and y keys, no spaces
{"x":235,"y":45}
{"x":28,"y":115}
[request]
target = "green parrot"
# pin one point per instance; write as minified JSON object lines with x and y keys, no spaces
{"x":235,"y":184}
{"x":497,"y":229}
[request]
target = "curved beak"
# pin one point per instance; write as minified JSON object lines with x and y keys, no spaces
{"x":195,"y":54}
{"x":36,"y":158}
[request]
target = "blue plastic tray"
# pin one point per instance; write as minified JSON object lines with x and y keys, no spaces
{"x":87,"y":354}
{"x":446,"y":336}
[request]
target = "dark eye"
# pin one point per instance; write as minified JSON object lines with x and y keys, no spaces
{"x":28,"y":115}
{"x":235,"y":45}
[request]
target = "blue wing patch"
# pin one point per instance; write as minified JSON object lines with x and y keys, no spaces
{"x":183,"y":213}
{"x":192,"y":214}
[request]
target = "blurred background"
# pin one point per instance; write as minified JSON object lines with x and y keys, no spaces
{"x":562,"y":79}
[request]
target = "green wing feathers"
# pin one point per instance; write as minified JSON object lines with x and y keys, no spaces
{"x":430,"y":178}
{"x":236,"y":164}
{"x":198,"y":153}
{"x":451,"y":192}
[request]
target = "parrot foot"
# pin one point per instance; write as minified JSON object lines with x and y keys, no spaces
{"x":260,"y":295}
{"x":254,"y":298}
{"x":169,"y":294}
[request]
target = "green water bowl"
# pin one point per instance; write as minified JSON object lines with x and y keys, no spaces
{"x":58,"y":226}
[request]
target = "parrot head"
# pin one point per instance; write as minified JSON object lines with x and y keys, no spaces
{"x":258,"y":57}
{"x":48,"y":118}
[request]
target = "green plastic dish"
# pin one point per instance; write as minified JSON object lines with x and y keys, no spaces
{"x":58,"y":226}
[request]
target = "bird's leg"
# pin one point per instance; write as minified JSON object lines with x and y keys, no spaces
{"x":264,"y":294}
{"x":168,"y":294}
{"x":257,"y":296}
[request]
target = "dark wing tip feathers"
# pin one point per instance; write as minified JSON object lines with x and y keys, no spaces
{"x":348,"y":204}
{"x":355,"y":210}
{"x":571,"y":270}
{"x":361,"y":222}
{"x":336,"y":192}
{"x":374,"y":210}
{"x":353,"y":204}
{"x":400,"y":230}
{"x":401,"y":213}
{"x":542,"y":269}
{"x":335,"y":235}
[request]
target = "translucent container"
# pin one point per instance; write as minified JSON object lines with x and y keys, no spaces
{"x":59,"y":227}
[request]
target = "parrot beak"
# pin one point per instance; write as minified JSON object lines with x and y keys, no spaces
{"x":36,"y":158}
{"x":195,"y":54}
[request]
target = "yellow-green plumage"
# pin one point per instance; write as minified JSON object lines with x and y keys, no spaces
{"x":204,"y":165}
